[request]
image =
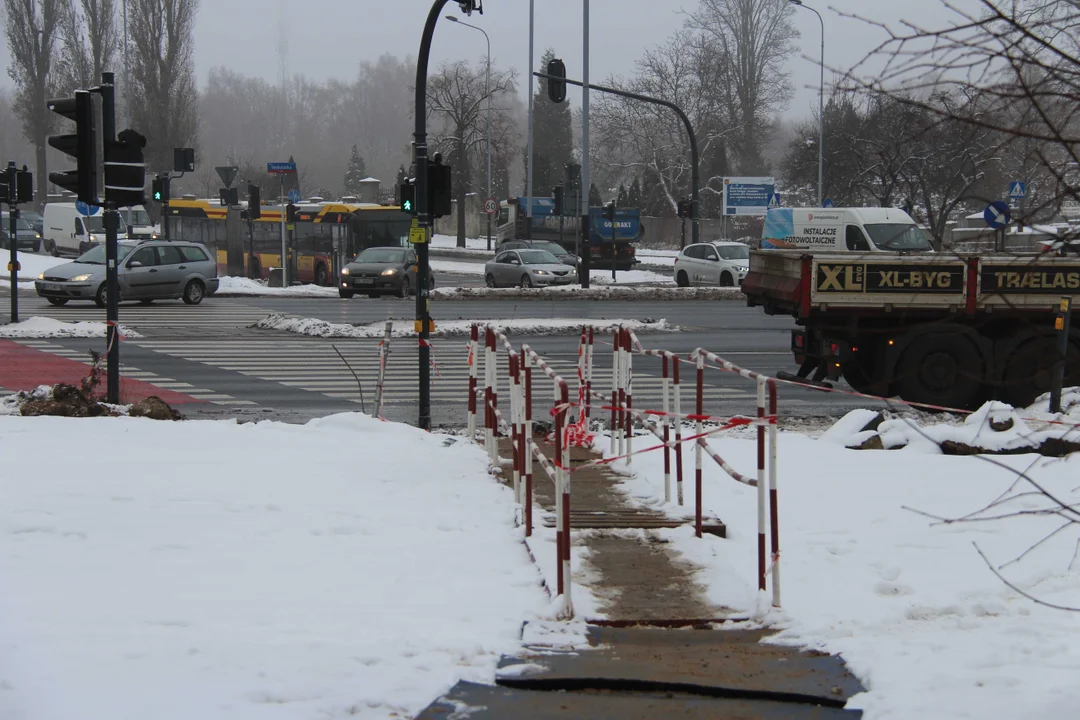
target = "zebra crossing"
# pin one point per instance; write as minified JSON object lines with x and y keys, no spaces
{"x":166,"y":314}
{"x":128,"y":371}
{"x":348,"y":369}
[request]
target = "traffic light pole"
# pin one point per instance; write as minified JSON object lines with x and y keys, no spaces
{"x":112,"y":227}
{"x":695,"y":233}
{"x":13,"y":241}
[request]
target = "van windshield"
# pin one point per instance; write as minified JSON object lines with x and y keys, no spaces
{"x":898,"y":236}
{"x":96,"y":224}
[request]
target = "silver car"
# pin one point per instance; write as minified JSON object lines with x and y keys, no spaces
{"x":527,"y":268}
{"x":147,"y":270}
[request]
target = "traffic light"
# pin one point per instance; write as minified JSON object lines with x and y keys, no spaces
{"x":82,"y":146}
{"x":407,"y":197}
{"x":254,"y":203}
{"x":184,"y":159}
{"x":160,"y":189}
{"x":609,"y":213}
{"x":125,"y":172}
{"x":556,"y":88}
{"x":685,"y":208}
{"x":290,"y":213}
{"x":439,"y":194}
{"x":24,"y":186}
{"x":230,"y":197}
{"x":557,"y":198}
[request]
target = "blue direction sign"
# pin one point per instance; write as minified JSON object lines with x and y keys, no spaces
{"x":828,"y":202}
{"x":1018,"y":189}
{"x":294,"y":196}
{"x":997,"y":214}
{"x":85,"y":209}
{"x":281,"y":167}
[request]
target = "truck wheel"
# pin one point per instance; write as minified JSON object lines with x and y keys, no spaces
{"x":1029,"y":370}
{"x":941,"y":369}
{"x":861,"y":373}
{"x":682,"y":280}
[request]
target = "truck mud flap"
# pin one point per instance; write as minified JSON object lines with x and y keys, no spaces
{"x":790,"y":377}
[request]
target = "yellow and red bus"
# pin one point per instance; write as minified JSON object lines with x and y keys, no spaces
{"x":325,"y":236}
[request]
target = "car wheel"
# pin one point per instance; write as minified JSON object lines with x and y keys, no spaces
{"x":405,"y":289}
{"x":146,"y":302}
{"x":526,"y":281}
{"x":322,"y":277}
{"x":52,"y":249}
{"x":193,"y":292}
{"x":58,"y":302}
{"x":726,"y":280}
{"x":101,"y":297}
{"x":347,"y":294}
{"x":489,"y":280}
{"x":431,"y":283}
{"x":373,"y":295}
{"x":82,"y":248}
{"x":37,"y":246}
{"x":682,"y":280}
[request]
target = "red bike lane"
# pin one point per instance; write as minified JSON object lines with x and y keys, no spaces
{"x":25,"y":368}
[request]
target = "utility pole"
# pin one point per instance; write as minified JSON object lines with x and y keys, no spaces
{"x":529,"y":173}
{"x":112,"y":226}
{"x":13,"y":238}
{"x":586,"y":257}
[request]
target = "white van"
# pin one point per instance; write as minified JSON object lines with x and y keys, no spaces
{"x":843,"y":229}
{"x":138,"y":223}
{"x":69,"y":232}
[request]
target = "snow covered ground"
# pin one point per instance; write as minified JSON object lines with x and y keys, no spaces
{"x":600,"y":276}
{"x":444,"y":328}
{"x":907,"y":600}
{"x":597,"y":292}
{"x":477,"y":246}
{"x":206,"y":569}
{"x":457,"y":268}
{"x":31,"y":264}
{"x":42,"y":327}
{"x":231,"y":285}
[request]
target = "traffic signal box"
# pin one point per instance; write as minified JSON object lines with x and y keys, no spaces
{"x":254,"y":203}
{"x":82,"y":145}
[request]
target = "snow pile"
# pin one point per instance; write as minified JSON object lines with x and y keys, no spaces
{"x":600,"y":276}
{"x":344,"y":568}
{"x":457,"y":268}
{"x":43,"y":327}
{"x":232,"y":285}
{"x":31,"y":265}
{"x":600,"y":292}
{"x":473,"y":246}
{"x":908,"y":601}
{"x":445,"y":328}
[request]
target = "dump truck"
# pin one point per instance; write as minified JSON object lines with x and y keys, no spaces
{"x":938,"y":329}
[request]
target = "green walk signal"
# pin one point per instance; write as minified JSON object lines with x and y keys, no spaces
{"x":157,"y":196}
{"x":407,"y":206}
{"x":406,"y":196}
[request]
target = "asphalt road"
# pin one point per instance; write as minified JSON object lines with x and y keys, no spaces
{"x":211,"y":353}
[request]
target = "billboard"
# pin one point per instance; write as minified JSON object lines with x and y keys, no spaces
{"x":627,"y":225}
{"x":748,"y":195}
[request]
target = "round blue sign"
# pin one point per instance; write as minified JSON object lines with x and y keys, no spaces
{"x":294,"y":196}
{"x":828,"y":202}
{"x":997,"y":214}
{"x":85,"y":209}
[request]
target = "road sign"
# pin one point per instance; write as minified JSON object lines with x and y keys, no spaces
{"x":997,"y":214}
{"x":491,"y":206}
{"x":747,"y":195}
{"x":1018,"y":189}
{"x":774,"y":201}
{"x":417,"y":234}
{"x":227,"y":173}
{"x":85,"y":209}
{"x":294,"y":196}
{"x":280,"y":167}
{"x":828,"y":202}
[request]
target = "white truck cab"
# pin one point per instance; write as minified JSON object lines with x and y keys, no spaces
{"x":138,"y":223}
{"x":69,"y":232}
{"x":843,"y":229}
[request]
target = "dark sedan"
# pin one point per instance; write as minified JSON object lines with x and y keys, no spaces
{"x":380,"y":271}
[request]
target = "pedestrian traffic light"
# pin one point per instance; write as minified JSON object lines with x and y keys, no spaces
{"x":290,"y":213}
{"x":556,"y":88}
{"x":254,"y":203}
{"x":82,"y":145}
{"x":125,"y":172}
{"x":685,"y":208}
{"x":557,"y":198}
{"x":439,"y":193}
{"x":184,"y":160}
{"x":160,"y":189}
{"x":24,"y":186}
{"x":407,"y":197}
{"x":230,"y":197}
{"x":609,"y":214}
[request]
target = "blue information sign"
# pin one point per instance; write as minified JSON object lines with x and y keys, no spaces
{"x":828,"y":202}
{"x":997,"y":214}
{"x":294,"y":196}
{"x":748,"y":195}
{"x":85,"y":209}
{"x":281,"y":167}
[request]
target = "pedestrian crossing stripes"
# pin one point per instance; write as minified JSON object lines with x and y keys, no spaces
{"x":315,"y":366}
{"x":166,"y":315}
{"x":127,"y":371}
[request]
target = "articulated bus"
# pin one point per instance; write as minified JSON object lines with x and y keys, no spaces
{"x":325,"y":236}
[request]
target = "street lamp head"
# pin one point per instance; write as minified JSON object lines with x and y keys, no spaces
{"x":451,"y":18}
{"x":795,"y":2}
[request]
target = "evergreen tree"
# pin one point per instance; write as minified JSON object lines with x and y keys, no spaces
{"x":553,"y":137}
{"x":355,"y":172}
{"x":621,"y":199}
{"x":594,"y":196}
{"x":633,"y":196}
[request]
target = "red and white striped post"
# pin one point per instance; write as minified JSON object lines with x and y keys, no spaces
{"x":761,"y":484}
{"x":774,"y":511}
{"x":665,"y":386}
{"x":700,"y":410}
{"x":628,"y":383}
{"x":528,"y":443}
{"x":560,"y":527}
{"x":563,"y":453}
{"x":678,"y":420}
{"x":474,"y":337}
{"x":491,"y":395}
{"x":614,"y":426}
{"x":588,"y":375}
{"x":515,"y":425}
{"x":581,"y":362}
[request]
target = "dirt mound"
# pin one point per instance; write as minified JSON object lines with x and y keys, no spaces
{"x":65,"y":400}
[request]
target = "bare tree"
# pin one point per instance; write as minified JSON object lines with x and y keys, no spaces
{"x":457,"y":103}
{"x":163,"y":93}
{"x":31,"y":30}
{"x":753,"y":38}
{"x":90,"y":39}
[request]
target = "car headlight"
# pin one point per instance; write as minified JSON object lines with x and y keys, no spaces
{"x":540,"y":272}
{"x":390,"y":271}
{"x":345,"y":271}
{"x":41,"y":276}
{"x":573,"y":271}
{"x":37,"y":236}
{"x":80,"y":278}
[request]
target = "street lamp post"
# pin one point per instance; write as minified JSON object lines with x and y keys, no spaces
{"x":487,"y":90}
{"x":821,"y":102}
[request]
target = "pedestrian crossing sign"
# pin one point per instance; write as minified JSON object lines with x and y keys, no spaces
{"x":1018,"y":190}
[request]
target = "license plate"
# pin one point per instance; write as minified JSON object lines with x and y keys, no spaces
{"x":365,"y":281}
{"x":51,"y":287}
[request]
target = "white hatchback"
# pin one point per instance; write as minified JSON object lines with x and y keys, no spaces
{"x":713,"y":263}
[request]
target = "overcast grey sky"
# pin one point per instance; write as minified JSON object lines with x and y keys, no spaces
{"x":330,"y":37}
